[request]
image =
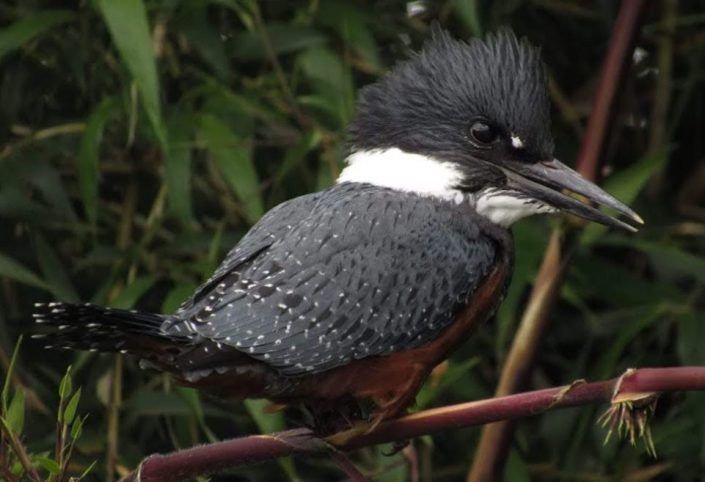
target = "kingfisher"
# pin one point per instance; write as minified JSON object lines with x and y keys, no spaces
{"x":358,"y":291}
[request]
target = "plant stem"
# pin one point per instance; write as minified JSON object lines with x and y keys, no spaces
{"x":20,"y":452}
{"x":206,"y":459}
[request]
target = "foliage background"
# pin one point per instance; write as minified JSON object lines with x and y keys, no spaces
{"x":140,"y":139}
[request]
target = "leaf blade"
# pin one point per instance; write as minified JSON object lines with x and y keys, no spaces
{"x":89,"y":157}
{"x":129,"y":29}
{"x":234,"y":159}
{"x":12,"y":269}
{"x":23,"y":30}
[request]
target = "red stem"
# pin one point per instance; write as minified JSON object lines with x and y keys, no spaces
{"x":615,"y":64}
{"x":218,"y":456}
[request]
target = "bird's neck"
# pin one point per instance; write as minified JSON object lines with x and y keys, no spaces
{"x":425,"y":176}
{"x":404,"y":171}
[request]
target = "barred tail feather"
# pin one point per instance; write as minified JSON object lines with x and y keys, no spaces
{"x":95,"y":328}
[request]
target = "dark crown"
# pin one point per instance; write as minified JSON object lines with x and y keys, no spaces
{"x":425,"y":103}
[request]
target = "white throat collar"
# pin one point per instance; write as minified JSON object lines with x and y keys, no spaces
{"x":423,"y":175}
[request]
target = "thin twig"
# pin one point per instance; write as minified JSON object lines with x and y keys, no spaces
{"x":114,"y":420}
{"x":219,"y":456}
{"x":494,"y":443}
{"x":20,"y":452}
{"x":344,"y":463}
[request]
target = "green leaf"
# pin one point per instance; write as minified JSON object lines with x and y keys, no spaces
{"x":664,"y":257}
{"x":269,"y":423}
{"x":133,"y":292}
{"x":23,"y":30}
{"x":636,"y":321}
{"x":453,"y":374}
{"x":66,"y":385}
{"x":233,"y":155}
{"x":47,"y":179}
{"x":8,"y":375}
{"x":15,"y":412}
{"x":70,"y":410}
{"x":285,"y":38}
{"x":14,"y":270}
{"x":89,"y":156}
{"x":193,"y":399}
{"x":192,"y":21}
{"x":625,"y":288}
{"x":48,"y":464}
{"x":129,"y":29}
{"x":332,"y":83}
{"x":351,"y":21}
{"x":176,"y":296}
{"x":517,"y":469}
{"x":59,"y":282}
{"x":88,"y":470}
{"x":691,"y":333}
{"x":77,"y":428}
{"x":468,"y":12}
{"x":178,"y":168}
{"x":625,"y":185}
{"x":266,"y":422}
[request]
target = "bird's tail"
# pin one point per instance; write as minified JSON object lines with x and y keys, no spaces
{"x":95,"y":328}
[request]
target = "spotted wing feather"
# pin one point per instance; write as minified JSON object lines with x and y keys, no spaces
{"x":367,"y":271}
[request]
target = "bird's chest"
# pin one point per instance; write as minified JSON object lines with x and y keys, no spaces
{"x":392,"y":380}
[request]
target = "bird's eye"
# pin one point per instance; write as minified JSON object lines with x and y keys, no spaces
{"x":483,"y":133}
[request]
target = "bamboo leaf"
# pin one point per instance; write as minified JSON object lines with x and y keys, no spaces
{"x":70,"y":410}
{"x":129,"y":29}
{"x":66,"y":385}
{"x":48,"y":464}
{"x":233,"y":156}
{"x":176,"y":296}
{"x":332,"y":83}
{"x":16,"y":271}
{"x":89,"y":156}
{"x":269,"y":423}
{"x":15,"y":412}
{"x":178,"y":168}
{"x":193,"y":400}
{"x":284,"y":38}
{"x":468,"y":12}
{"x":59,"y":282}
{"x":133,"y":292}
{"x":192,"y":21}
{"x":23,"y":30}
{"x":77,"y":428}
{"x":625,"y":185}
{"x":8,"y":375}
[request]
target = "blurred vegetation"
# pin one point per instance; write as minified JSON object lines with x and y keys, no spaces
{"x":139,"y":139}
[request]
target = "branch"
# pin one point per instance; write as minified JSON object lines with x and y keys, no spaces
{"x":219,"y":456}
{"x":494,"y":442}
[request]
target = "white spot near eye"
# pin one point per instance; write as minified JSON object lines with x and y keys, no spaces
{"x":517,"y":143}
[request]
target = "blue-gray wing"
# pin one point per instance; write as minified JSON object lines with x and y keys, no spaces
{"x":364,"y":271}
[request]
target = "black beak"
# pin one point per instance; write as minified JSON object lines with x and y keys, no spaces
{"x":545,"y":181}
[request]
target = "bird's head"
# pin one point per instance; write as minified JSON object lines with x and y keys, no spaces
{"x":470,"y":122}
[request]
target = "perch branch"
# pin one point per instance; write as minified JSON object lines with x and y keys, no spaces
{"x":219,"y":456}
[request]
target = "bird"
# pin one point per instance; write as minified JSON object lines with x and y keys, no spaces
{"x":354,"y":294}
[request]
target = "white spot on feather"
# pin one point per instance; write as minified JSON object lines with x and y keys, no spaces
{"x":517,"y":143}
